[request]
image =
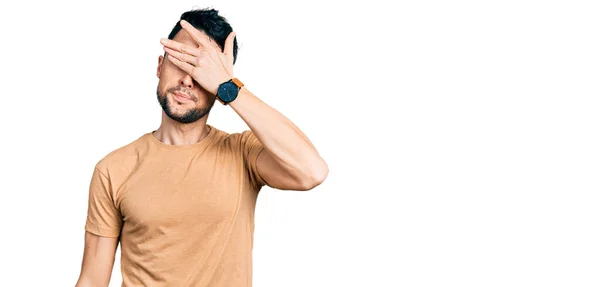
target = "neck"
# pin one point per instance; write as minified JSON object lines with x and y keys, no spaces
{"x":175,"y":133}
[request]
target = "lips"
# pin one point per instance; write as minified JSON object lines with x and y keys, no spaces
{"x":182,"y":96}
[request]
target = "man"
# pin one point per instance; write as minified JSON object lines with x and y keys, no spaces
{"x":181,"y":199}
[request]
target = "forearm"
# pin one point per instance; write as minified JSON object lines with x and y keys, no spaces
{"x":287,"y":144}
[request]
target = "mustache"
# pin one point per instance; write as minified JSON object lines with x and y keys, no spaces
{"x":184,"y":91}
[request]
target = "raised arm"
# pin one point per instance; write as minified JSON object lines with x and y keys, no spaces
{"x":98,"y":260}
{"x":290,"y":161}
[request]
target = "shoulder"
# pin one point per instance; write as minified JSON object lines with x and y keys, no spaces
{"x":124,"y":154}
{"x":233,"y":140}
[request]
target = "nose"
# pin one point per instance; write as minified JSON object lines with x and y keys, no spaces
{"x":187,"y":81}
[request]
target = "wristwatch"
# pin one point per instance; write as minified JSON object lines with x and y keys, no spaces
{"x":228,"y":91}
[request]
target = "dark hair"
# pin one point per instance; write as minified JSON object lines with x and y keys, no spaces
{"x":210,"y":22}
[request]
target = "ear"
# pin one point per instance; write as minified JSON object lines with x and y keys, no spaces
{"x":161,"y":58}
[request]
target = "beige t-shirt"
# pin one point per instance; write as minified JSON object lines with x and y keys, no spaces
{"x":184,"y":213}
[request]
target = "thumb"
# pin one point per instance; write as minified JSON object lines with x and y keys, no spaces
{"x":228,"y":49}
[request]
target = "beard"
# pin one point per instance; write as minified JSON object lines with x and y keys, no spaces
{"x":189,"y":116}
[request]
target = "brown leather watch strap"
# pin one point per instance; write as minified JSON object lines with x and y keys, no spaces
{"x":237,"y":82}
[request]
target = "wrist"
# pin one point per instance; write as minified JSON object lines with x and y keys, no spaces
{"x":228,"y":90}
{"x":219,"y":82}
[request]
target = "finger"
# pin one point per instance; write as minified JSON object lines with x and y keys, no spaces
{"x":228,"y":51}
{"x":180,"y":47}
{"x":202,"y":40}
{"x":181,"y":56}
{"x":181,"y":65}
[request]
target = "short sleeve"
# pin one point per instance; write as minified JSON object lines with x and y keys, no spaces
{"x":103,"y":217}
{"x":251,"y":147}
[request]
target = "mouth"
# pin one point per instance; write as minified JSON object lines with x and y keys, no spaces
{"x":182,"y":97}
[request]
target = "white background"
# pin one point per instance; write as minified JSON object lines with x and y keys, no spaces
{"x":462,"y":137}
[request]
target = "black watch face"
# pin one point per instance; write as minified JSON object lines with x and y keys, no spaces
{"x":228,"y":91}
